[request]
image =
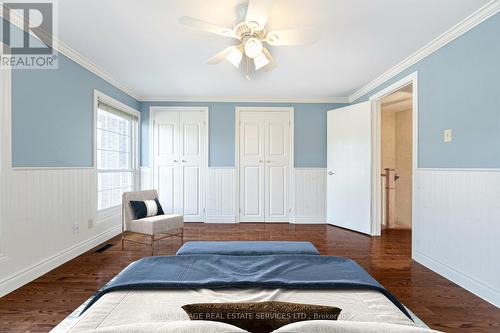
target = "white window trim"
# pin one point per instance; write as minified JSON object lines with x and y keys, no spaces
{"x":103,"y":98}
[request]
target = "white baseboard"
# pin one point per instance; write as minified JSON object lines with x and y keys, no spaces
{"x":309,"y":220}
{"x":221,"y":219}
{"x":472,"y":285}
{"x":19,"y":279}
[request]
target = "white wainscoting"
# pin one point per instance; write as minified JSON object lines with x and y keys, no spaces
{"x":309,"y":201}
{"x":456,"y":229}
{"x":48,"y":218}
{"x":221,"y":195}
{"x":310,"y":195}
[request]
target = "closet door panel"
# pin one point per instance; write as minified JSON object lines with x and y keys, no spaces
{"x":251,"y":161}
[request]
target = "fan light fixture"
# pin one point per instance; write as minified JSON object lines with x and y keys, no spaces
{"x":251,"y":35}
{"x":260,"y":61}
{"x":235,"y":56}
{"x":253,"y":47}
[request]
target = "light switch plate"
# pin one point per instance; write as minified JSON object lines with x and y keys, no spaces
{"x":448,"y":135}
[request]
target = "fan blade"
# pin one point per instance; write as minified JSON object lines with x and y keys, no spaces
{"x":220,"y":56}
{"x":206,"y":26}
{"x":272,"y":64}
{"x":258,"y":11}
{"x":292,"y":37}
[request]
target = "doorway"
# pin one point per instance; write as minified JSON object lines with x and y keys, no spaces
{"x":264,"y":155}
{"x":396,"y":158}
{"x":402,"y":92}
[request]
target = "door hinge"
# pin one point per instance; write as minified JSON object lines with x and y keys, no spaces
{"x":203,"y":210}
{"x":154,"y":122}
{"x":239,"y":210}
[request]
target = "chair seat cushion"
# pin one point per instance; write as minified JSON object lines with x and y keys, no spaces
{"x":156,"y":224}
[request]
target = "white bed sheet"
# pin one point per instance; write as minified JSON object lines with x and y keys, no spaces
{"x":130,"y":307}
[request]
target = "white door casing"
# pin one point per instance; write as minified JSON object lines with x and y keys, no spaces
{"x":264,"y":159}
{"x":179,"y":160}
{"x":349,"y":167}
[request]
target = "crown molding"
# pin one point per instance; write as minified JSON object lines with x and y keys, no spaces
{"x":92,"y":67}
{"x":75,"y":56}
{"x":479,"y":16}
{"x":233,"y":99}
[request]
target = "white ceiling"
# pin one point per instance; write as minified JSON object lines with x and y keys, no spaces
{"x":142,"y":45}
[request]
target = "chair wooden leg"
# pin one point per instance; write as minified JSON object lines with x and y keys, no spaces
{"x":152,"y":244}
{"x":122,"y":240}
{"x":182,"y":235}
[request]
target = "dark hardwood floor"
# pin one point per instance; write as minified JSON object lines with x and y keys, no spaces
{"x":43,"y":303}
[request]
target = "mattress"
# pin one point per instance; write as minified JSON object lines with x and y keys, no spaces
{"x":121,"y":307}
{"x":247,"y":248}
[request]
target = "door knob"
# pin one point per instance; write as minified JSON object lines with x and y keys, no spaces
{"x":330,"y":173}
{"x":175,"y":161}
{"x":268,"y":161}
{"x":184,"y":161}
{"x":260,"y":161}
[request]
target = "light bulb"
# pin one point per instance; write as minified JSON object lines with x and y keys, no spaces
{"x":253,"y":47}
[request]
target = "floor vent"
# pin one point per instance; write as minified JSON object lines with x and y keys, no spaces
{"x":103,"y":248}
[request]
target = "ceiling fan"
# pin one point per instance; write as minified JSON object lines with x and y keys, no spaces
{"x":252,"y":36}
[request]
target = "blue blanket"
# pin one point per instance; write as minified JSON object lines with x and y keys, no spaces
{"x":223,"y":271}
{"x":247,"y":248}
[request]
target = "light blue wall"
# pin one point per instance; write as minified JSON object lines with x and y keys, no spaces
{"x":52,"y":115}
{"x":459,"y":88}
{"x":310,"y":131}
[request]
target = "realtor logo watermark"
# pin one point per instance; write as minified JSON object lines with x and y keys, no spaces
{"x":28,"y":35}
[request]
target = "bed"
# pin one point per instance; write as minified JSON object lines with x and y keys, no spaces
{"x":153,"y":289}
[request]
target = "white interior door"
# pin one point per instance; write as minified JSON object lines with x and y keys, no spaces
{"x":264,"y":166}
{"x":349,"y":167}
{"x":252,"y":166}
{"x":179,"y":162}
{"x":192,"y":164}
{"x":277,"y":166}
{"x":167,"y":171}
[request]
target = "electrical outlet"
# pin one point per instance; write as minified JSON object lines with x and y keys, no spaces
{"x":90,"y":223}
{"x":448,"y":135}
{"x":76,"y":229}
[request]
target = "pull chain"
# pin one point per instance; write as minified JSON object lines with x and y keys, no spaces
{"x":248,"y":69}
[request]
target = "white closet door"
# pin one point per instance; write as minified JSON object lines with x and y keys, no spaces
{"x":192,"y":152}
{"x":179,"y":162}
{"x":251,"y":159}
{"x":349,"y":167}
{"x":167,"y":172}
{"x":277,"y":166}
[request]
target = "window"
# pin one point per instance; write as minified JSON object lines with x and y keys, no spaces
{"x":115,"y":155}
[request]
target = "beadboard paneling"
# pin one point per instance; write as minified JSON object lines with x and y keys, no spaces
{"x":221,"y":187}
{"x":457,"y":225}
{"x":48,"y":217}
{"x":310,"y":195}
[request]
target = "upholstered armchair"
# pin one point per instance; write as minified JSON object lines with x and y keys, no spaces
{"x":156,"y":227}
